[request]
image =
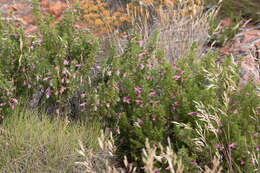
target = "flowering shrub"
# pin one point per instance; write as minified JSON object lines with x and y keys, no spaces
{"x":55,"y":62}
{"x":140,"y":96}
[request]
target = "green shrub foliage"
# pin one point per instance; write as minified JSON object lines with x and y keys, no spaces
{"x":55,"y":62}
{"x":141,"y":96}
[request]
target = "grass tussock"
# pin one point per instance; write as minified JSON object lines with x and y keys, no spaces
{"x":29,"y":144}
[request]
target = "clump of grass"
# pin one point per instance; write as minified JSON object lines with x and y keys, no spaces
{"x":29,"y":144}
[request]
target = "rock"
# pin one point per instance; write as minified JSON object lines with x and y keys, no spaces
{"x":246,"y":44}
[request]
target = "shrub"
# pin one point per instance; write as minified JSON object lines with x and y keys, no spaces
{"x":55,"y":62}
{"x":140,"y":95}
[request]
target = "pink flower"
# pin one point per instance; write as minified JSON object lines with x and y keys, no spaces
{"x":172,"y":96}
{"x":48,"y":93}
{"x":157,"y":170}
{"x":83,"y":95}
{"x":255,"y":135}
{"x":118,"y":130}
{"x":235,"y":111}
{"x":176,"y":103}
{"x":62,"y":89}
{"x":150,"y":100}
{"x":58,"y":111}
{"x":198,"y":115}
{"x":116,"y":87}
{"x":138,"y":89}
{"x":37,"y":77}
{"x":242,"y":162}
{"x":95,"y":108}
{"x":126,"y":99}
{"x":98,"y":67}
{"x":125,"y":75}
{"x":140,"y":42}
{"x":257,"y":148}
{"x":217,"y":145}
{"x":78,"y":65}
{"x":107,"y":105}
{"x":232,"y":145}
{"x":152,"y":93}
{"x":67,"y":121}
{"x":57,"y":67}
{"x":65,"y":62}
{"x":191,"y":113}
{"x":176,"y":77}
{"x":150,"y":78}
{"x":154,"y":118}
{"x":2,"y":104}
{"x":138,"y":101}
{"x":12,"y":106}
{"x":117,"y":72}
{"x":109,"y":73}
{"x":83,"y":104}
{"x":173,"y":65}
{"x":141,"y":66}
{"x":14,"y":100}
{"x":181,"y":71}
{"x":125,"y":36}
{"x":173,"y":108}
{"x":140,"y":55}
{"x":194,"y":162}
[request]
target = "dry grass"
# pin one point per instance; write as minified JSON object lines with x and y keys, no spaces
{"x":107,"y":159}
